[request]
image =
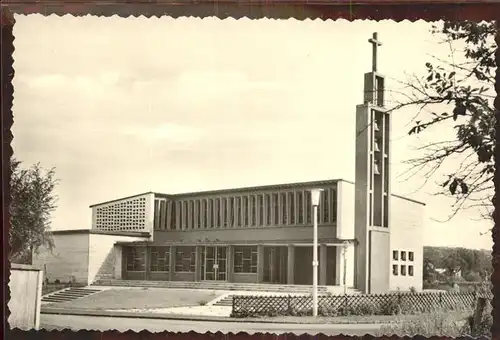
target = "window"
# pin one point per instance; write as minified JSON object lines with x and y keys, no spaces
{"x":274,"y":203}
{"x":230,"y":212}
{"x":260,"y":206}
{"x":238,"y":211}
{"x":160,"y":259}
{"x":245,"y":259}
{"x":205,"y":213}
{"x":185,"y":259}
{"x":135,"y":259}
{"x":217,"y":212}
{"x":223,"y":210}
{"x":410,"y":270}
{"x":410,"y":255}
{"x":179,"y":206}
{"x":191,"y":219}
{"x":326,"y":206}
{"x":403,"y":256}
{"x":210,"y":223}
{"x":291,"y":203}
{"x":395,"y":270}
{"x":333,"y":204}
{"x":395,"y":254}
{"x":197,"y":214}
{"x":252,"y":210}
{"x":307,"y":199}
{"x":300,"y":207}
{"x":403,"y":270}
{"x":284,"y":216}
{"x":185,"y":214}
{"x":267,"y":203}
{"x":245,"y":210}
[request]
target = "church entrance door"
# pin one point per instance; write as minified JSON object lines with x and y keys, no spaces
{"x":213,"y":263}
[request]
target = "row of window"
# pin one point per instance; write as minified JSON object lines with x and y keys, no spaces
{"x":245,"y":259}
{"x":402,"y":272}
{"x":396,"y":255}
{"x":286,"y":208}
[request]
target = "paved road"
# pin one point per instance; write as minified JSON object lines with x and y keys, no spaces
{"x":50,"y":321}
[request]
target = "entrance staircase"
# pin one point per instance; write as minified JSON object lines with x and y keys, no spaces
{"x":69,"y":294}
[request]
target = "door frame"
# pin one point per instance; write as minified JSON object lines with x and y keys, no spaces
{"x":215,"y":270}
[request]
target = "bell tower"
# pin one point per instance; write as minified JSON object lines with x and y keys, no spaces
{"x":372,"y":188}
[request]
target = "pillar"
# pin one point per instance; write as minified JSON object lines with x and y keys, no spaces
{"x":260,"y":263}
{"x":322,"y":264}
{"x":291,"y":265}
{"x":229,"y":263}
{"x":197,"y":266}
{"x":171,"y":267}
{"x":339,"y":266}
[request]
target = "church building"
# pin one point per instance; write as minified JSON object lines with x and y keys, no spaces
{"x":369,"y":239}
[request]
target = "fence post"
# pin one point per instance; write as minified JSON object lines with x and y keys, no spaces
{"x":232,"y":301}
{"x":289,"y":303}
{"x":478,"y":316}
{"x":441,"y":299}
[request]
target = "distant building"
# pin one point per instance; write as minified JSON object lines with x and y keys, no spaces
{"x":261,"y":234}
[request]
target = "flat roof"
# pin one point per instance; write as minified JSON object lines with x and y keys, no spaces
{"x":100,"y":232}
{"x":247,"y":189}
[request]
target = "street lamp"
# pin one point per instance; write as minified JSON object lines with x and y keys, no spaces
{"x":315,"y":194}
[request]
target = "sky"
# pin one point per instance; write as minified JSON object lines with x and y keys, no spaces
{"x":121,"y":106}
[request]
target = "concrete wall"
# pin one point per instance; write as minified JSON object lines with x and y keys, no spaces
{"x":68,"y":260}
{"x":25,"y":285}
{"x":407,"y":235}
{"x":105,"y":260}
{"x":244,"y":235}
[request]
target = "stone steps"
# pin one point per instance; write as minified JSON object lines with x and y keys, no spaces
{"x":213,"y":286}
{"x":69,"y":294}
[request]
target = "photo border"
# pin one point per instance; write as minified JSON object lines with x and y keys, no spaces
{"x":398,"y":10}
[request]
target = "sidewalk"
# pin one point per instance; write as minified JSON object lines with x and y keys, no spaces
{"x":142,"y":314}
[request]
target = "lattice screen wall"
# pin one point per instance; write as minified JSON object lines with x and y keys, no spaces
{"x":124,"y":215}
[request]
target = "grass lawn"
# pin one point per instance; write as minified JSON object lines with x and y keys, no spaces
{"x":348,"y":319}
{"x":141,"y":298}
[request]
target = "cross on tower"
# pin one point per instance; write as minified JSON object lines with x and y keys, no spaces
{"x":375,"y":43}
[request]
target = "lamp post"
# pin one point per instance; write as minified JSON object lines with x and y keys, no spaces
{"x":315,"y":194}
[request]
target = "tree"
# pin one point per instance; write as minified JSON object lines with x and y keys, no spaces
{"x":458,"y":95}
{"x":32,"y":202}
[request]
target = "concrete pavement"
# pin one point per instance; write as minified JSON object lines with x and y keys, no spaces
{"x":79,"y":322}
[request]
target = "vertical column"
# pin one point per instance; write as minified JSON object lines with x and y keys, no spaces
{"x":229,"y":263}
{"x":260,"y":263}
{"x":322,"y":264}
{"x":291,"y":265}
{"x":171,"y":267}
{"x":339,"y":266}
{"x":197,"y":266}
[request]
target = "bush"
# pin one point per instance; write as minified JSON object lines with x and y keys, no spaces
{"x":472,"y":277}
{"x":437,"y":323}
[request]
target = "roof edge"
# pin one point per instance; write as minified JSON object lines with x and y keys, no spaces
{"x":100,"y":232}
